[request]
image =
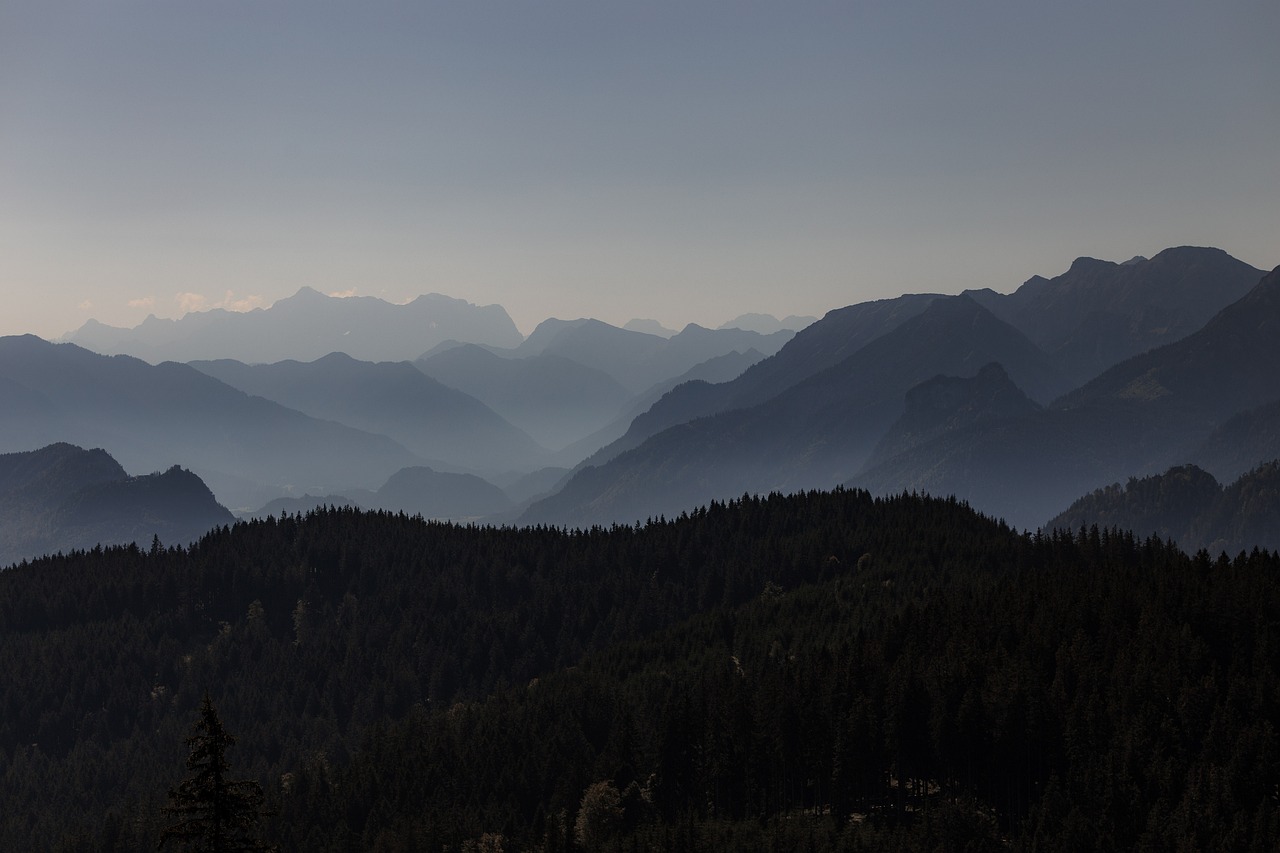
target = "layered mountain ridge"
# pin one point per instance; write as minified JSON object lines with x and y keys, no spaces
{"x":62,"y":497}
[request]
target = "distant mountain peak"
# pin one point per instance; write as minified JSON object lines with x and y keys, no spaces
{"x":306,"y":326}
{"x":1085,"y":263}
{"x":649,"y":327}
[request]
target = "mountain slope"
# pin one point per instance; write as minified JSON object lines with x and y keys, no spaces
{"x":1098,"y":313}
{"x":1186,"y":504}
{"x":393,"y":399}
{"x":722,"y":368}
{"x":246,"y":448}
{"x":61,"y":497}
{"x":946,"y":404}
{"x":1139,"y":417}
{"x":1241,"y":442}
{"x":823,"y":344}
{"x":434,"y":494}
{"x":305,"y":327}
{"x":812,"y":435}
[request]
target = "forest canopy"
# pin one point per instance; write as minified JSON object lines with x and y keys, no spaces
{"x":814,"y":671}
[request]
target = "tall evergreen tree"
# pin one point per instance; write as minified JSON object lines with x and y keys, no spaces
{"x":213,"y":813}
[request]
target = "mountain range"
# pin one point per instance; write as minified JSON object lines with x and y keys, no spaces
{"x":1018,"y":403}
{"x":572,"y":378}
{"x":863,"y":397}
{"x":247,"y":449}
{"x":307,"y":326}
{"x":394,"y":399}
{"x":1139,"y":417}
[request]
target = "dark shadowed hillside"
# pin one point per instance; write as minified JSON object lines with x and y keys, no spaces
{"x":62,"y":497}
{"x":1188,"y":505}
{"x":1168,"y":505}
{"x":804,"y":673}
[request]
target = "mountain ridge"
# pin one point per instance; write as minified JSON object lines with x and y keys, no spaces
{"x":306,"y":326}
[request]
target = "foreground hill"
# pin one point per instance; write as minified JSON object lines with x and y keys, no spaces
{"x":62,"y":497}
{"x":152,"y":416}
{"x":305,"y":327}
{"x":815,"y":672}
{"x":392,"y":399}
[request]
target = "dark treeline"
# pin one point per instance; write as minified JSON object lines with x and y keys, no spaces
{"x":821,"y":671}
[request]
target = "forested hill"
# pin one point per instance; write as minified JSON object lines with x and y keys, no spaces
{"x":820,"y":671}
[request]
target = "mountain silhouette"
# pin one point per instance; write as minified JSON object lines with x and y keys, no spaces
{"x":390,"y":398}
{"x":247,"y":449}
{"x":823,"y":344}
{"x":1137,"y":418}
{"x":812,"y":435}
{"x":419,"y":490}
{"x":1099,"y":313}
{"x":305,"y":327}
{"x":62,"y":497}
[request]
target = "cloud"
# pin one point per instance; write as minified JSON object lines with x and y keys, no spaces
{"x":191,"y":302}
{"x":188,"y":302}
{"x":86,"y":305}
{"x":344,"y":294}
{"x":143,"y":302}
{"x":241,"y":305}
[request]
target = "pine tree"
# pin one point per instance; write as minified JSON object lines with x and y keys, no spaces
{"x":213,"y":813}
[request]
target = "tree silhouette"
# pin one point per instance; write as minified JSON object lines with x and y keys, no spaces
{"x":213,"y":814}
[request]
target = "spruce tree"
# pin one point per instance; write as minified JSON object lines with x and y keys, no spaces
{"x":213,"y":813}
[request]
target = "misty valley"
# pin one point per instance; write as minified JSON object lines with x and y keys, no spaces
{"x":986,"y":571}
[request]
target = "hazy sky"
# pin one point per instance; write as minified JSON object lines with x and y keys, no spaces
{"x":685,"y":161}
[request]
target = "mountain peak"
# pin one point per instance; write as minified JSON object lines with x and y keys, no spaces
{"x":1085,"y":264}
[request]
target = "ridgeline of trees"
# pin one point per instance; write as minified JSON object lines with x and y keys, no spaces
{"x":820,"y":671}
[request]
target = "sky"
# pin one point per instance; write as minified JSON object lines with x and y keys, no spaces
{"x":683,"y":161}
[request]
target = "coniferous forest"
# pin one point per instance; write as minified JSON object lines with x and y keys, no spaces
{"x":821,"y":671}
